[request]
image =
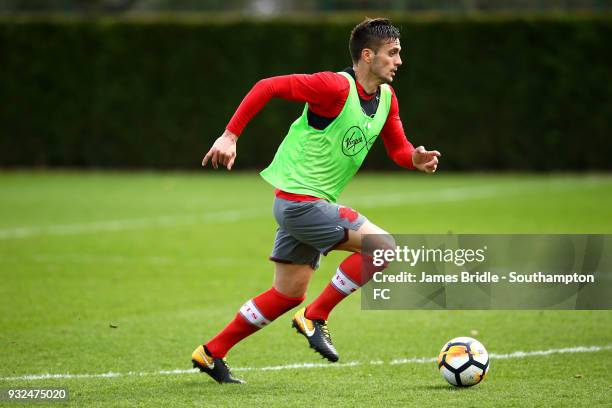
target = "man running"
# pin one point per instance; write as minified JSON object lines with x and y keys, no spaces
{"x":344,"y":114}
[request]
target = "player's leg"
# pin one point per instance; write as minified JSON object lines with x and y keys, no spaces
{"x":320,"y":226}
{"x":378,"y":238}
{"x":292,"y":280}
{"x":355,"y":271}
{"x":294,"y":264}
{"x":287,"y":291}
{"x":352,"y":273}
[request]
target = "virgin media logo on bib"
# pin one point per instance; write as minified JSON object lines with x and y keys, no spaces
{"x":354,"y":141}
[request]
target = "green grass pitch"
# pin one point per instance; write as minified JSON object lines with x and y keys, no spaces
{"x":168,"y":258}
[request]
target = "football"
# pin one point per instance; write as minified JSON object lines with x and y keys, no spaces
{"x":463,"y":362}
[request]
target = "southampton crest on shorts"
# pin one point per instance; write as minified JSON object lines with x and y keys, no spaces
{"x":348,"y":213}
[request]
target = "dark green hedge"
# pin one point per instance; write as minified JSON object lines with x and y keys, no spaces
{"x":501,"y":93}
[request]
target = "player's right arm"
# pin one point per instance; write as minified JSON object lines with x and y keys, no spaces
{"x":223,"y":151}
{"x":325,"y":93}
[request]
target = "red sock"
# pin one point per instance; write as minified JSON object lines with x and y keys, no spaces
{"x":253,"y":315}
{"x":349,"y":277}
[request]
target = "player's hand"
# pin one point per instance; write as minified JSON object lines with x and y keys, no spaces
{"x":222,"y":152}
{"x":425,"y":160}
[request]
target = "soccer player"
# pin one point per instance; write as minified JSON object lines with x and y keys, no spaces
{"x":343,"y":115}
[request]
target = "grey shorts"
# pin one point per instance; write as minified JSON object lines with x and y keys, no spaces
{"x":308,"y":229}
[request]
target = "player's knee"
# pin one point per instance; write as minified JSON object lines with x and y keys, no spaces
{"x":292,"y":280}
{"x":381,"y":243}
{"x":388,"y":242}
{"x":292,"y":288}
{"x":373,"y":251}
{"x":297,"y":291}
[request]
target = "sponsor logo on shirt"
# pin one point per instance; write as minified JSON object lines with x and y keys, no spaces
{"x":354,"y":141}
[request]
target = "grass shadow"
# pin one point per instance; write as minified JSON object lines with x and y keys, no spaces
{"x":441,"y":387}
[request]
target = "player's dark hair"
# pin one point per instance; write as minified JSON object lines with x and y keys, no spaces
{"x":371,"y":33}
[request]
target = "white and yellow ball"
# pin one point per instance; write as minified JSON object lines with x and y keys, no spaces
{"x":463,"y":362}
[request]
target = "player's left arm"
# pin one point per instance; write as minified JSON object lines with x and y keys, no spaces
{"x":399,"y":149}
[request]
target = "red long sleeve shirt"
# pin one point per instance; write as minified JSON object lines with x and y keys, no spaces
{"x":325,"y":93}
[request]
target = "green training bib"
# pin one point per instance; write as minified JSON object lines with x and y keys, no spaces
{"x":320,"y":163}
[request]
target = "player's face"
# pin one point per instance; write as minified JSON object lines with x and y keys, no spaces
{"x":386,"y":61}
